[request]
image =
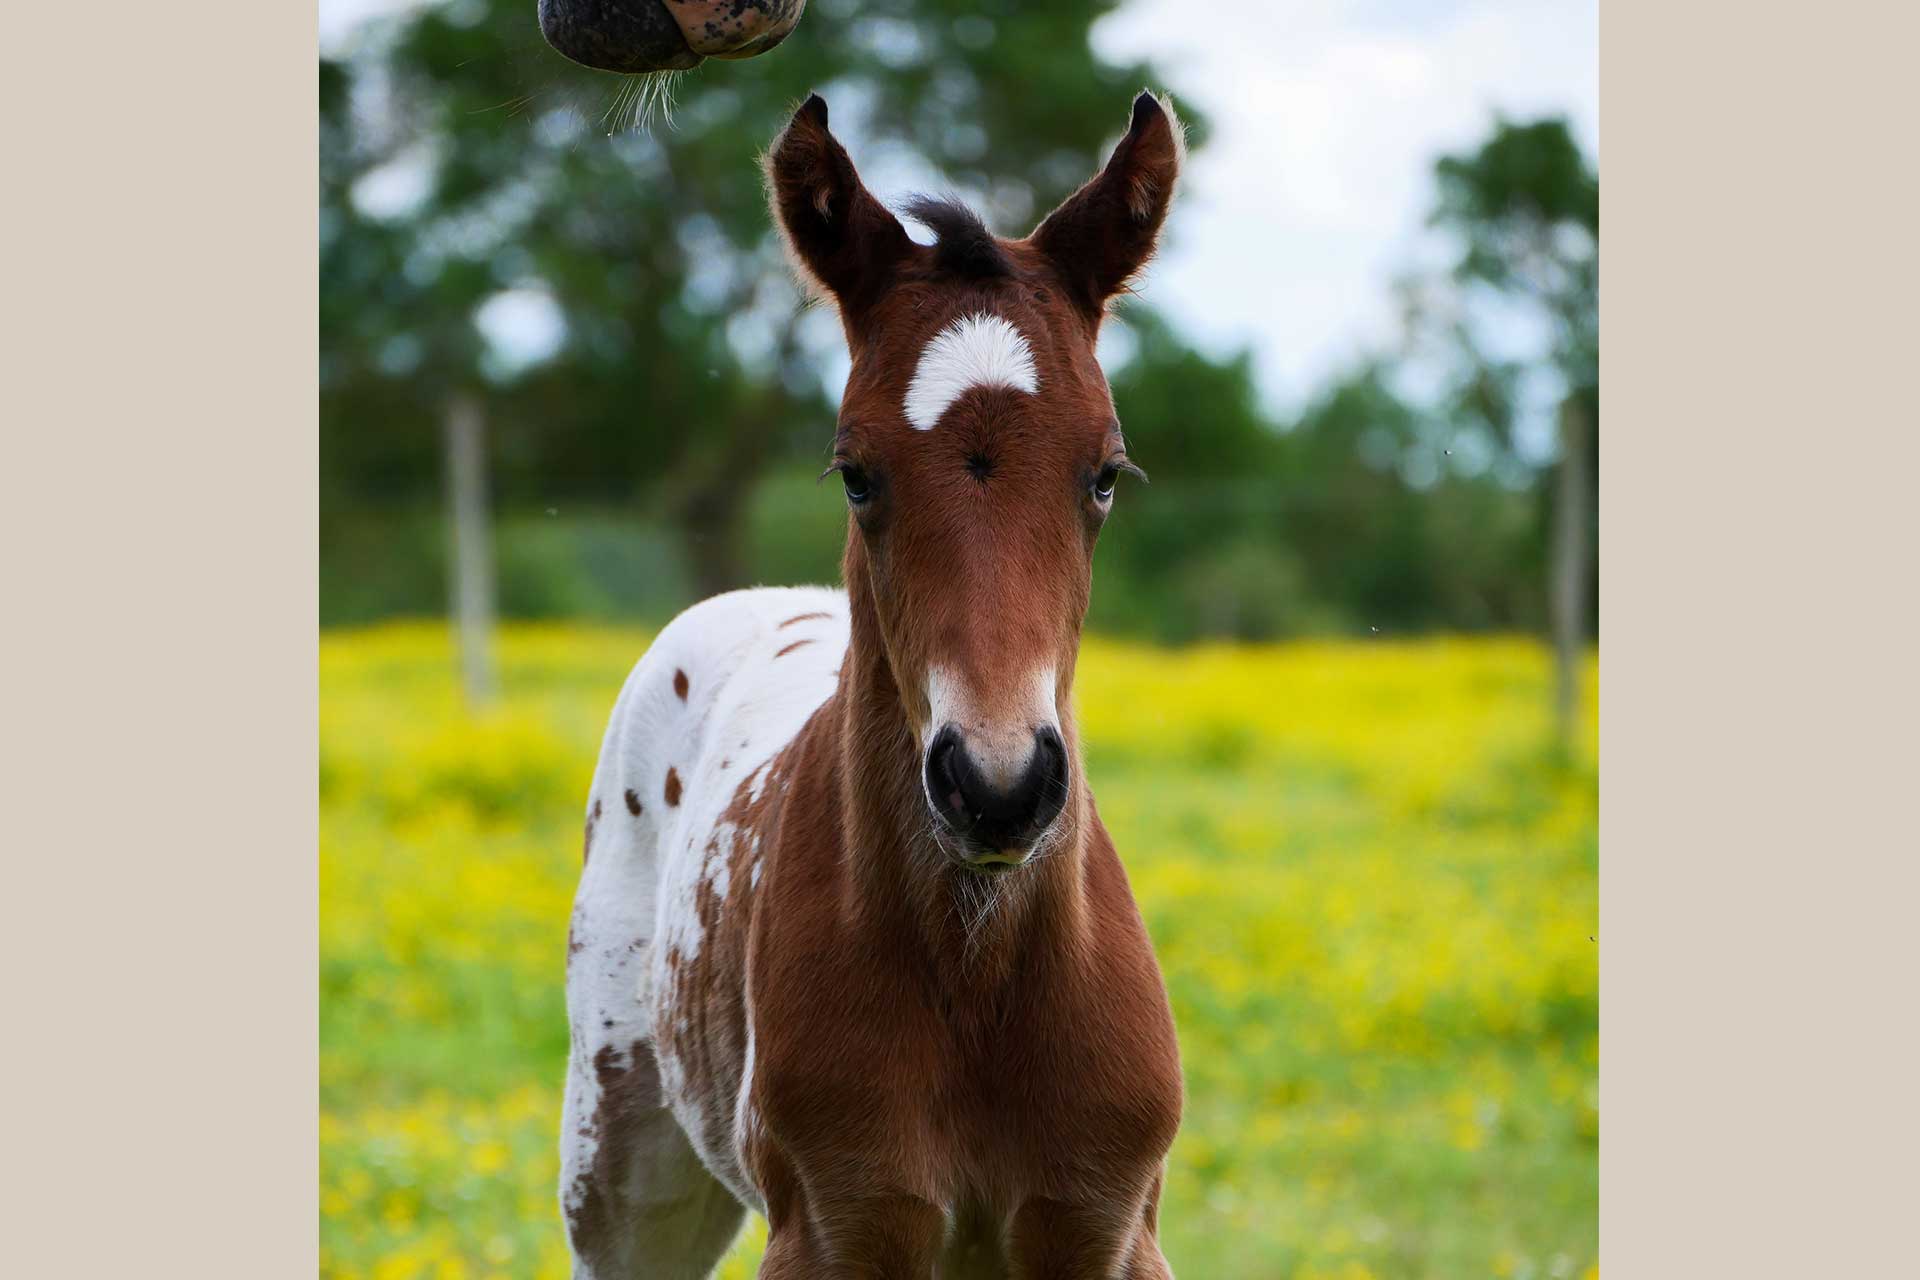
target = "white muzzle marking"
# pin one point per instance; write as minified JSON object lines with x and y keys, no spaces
{"x":1000,"y":749}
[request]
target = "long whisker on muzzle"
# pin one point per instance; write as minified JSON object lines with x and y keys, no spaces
{"x":642,"y":97}
{"x":656,"y":99}
{"x":629,"y":85}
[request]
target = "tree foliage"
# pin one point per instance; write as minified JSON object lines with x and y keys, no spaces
{"x":685,"y":394}
{"x":680,"y":373}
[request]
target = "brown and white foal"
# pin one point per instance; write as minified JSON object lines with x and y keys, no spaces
{"x":851,"y":946}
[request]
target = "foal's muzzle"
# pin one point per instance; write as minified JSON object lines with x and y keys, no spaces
{"x":664,"y":35}
{"x":996,"y":823}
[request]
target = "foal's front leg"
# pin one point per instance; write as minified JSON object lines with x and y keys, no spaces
{"x":1054,"y":1240}
{"x":883,"y":1237}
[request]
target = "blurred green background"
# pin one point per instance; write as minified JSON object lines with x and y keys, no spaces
{"x":1338,"y":703}
{"x":656,"y":417}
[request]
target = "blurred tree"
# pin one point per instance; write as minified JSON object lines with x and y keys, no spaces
{"x":471,"y":178}
{"x":660,"y":366}
{"x":1524,"y":209}
{"x":1396,"y":534}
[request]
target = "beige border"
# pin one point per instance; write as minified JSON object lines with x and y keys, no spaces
{"x":160,"y":646}
{"x":159,"y":525}
{"x":1758,"y":873}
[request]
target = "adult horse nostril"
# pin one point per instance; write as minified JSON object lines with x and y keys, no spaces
{"x":616,"y":35}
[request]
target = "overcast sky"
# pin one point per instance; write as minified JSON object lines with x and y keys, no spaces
{"x":1310,"y":195}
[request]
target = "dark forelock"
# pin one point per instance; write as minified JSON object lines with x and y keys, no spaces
{"x":963,"y":246}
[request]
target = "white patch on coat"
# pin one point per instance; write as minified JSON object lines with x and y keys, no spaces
{"x":643,"y":989}
{"x":979,"y":350}
{"x":638,"y":891}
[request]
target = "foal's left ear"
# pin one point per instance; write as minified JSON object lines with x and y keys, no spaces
{"x":1106,"y":231}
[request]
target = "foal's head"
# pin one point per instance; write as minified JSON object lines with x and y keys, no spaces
{"x":979,"y":450}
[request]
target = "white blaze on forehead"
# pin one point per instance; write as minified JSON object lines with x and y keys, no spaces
{"x":974,"y":351}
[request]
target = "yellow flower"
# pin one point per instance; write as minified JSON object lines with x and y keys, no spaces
{"x":1369,"y":877}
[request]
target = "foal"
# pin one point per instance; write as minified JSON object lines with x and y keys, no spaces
{"x":851,"y":946}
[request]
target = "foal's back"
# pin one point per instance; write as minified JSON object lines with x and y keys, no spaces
{"x":655,"y":972}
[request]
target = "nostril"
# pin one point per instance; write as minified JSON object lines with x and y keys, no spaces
{"x":1047,"y":740}
{"x":944,"y":782}
{"x":994,"y":816}
{"x":1050,"y":776}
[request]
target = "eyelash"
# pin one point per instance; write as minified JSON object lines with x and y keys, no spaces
{"x":1109,"y":476}
{"x":853,"y":478}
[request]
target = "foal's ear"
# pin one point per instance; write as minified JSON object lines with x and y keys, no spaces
{"x":1106,"y":231}
{"x":844,"y":242}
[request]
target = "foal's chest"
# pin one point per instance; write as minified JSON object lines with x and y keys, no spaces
{"x":1062,"y":1089}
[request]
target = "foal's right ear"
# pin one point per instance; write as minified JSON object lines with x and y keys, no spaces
{"x":844,"y":242}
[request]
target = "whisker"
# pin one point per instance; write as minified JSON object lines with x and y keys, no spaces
{"x":513,"y":103}
{"x":637,"y":90}
{"x":989,"y":897}
{"x":655,"y":99}
{"x":627,"y":85}
{"x":643,"y":102}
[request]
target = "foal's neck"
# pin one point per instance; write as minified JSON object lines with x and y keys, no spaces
{"x":976,"y":931}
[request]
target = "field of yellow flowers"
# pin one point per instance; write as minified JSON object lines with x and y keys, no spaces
{"x":1370,"y":876}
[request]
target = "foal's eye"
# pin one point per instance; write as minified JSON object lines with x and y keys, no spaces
{"x":1109,"y":474}
{"x":855,"y":480}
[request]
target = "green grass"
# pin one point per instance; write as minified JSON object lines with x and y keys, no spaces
{"x":1370,"y":878}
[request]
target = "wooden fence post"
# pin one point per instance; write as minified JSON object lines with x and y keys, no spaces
{"x":1568,"y":587}
{"x":470,"y":546}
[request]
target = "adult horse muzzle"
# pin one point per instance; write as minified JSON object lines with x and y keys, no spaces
{"x":664,"y":35}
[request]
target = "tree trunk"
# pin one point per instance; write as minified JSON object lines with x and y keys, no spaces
{"x":718,"y":484}
{"x":470,"y":546}
{"x":1568,"y":588}
{"x":711,"y":522}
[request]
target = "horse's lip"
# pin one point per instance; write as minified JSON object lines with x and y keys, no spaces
{"x":970,"y":852}
{"x":754,"y":47}
{"x":967,"y":849}
{"x":997,"y":859}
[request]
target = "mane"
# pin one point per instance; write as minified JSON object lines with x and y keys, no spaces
{"x":963,"y":246}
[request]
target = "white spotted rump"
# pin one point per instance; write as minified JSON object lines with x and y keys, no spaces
{"x":979,"y":350}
